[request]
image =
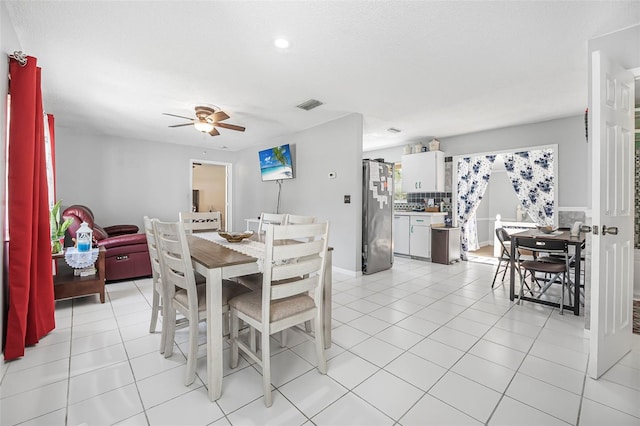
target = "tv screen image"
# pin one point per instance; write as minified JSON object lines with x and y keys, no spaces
{"x":276,"y":163}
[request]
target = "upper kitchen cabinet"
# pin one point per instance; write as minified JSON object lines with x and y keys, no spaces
{"x":423,"y":172}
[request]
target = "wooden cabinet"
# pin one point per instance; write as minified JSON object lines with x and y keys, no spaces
{"x":423,"y":172}
{"x":420,"y":236}
{"x":412,"y":233}
{"x":401,"y":228}
{"x":66,"y":284}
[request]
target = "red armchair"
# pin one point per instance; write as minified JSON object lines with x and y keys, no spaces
{"x":127,"y":253}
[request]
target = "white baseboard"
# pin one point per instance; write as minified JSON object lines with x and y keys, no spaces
{"x":346,"y":272}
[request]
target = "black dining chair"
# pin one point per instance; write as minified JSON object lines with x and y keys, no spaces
{"x":505,"y":254}
{"x":559,"y":258}
{"x":552,"y":270}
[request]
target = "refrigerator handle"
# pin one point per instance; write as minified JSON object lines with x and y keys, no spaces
{"x":411,"y":230}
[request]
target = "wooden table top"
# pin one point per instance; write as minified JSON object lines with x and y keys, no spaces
{"x":213,"y":255}
{"x":563,"y":236}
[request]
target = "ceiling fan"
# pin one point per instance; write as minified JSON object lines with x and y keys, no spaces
{"x":206,"y":121}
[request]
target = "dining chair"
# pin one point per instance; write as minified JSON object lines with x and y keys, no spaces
{"x":571,"y":279}
{"x":179,"y":286}
{"x":292,"y":219}
{"x":201,"y":221}
{"x":254,"y":281}
{"x":297,"y":255}
{"x":270,"y":219}
{"x":158,"y":299}
{"x":505,"y":254}
{"x":551,"y":270}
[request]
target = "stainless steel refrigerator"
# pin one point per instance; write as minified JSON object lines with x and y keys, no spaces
{"x":377,"y":216}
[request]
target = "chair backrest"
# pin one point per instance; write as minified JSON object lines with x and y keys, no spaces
{"x":292,"y":219}
{"x":78,"y":214}
{"x":156,"y":269}
{"x":175,"y":259}
{"x":270,"y":219}
{"x":541,"y":245}
{"x":300,"y":263}
{"x":503,"y":237}
{"x":201,"y":221}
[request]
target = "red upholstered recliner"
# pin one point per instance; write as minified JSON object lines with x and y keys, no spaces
{"x":127,"y":253}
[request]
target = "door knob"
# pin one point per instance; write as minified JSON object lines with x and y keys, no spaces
{"x":613,"y":230}
{"x":585,"y":228}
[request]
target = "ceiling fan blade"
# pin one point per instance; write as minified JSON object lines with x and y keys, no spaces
{"x":217,"y":116}
{"x":179,"y":116}
{"x":229,"y":126}
{"x":214,"y":132}
{"x":182,"y":125}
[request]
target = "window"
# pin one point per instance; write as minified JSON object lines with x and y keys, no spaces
{"x":398,"y":194}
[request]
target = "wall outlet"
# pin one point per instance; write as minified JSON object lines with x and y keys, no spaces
{"x":347,"y":199}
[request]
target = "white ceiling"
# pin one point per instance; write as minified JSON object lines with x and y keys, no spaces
{"x":430,"y":68}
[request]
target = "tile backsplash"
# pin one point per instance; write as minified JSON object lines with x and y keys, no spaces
{"x":416,"y":200}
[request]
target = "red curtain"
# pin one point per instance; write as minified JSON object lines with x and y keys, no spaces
{"x":52,"y":136}
{"x":31,"y":300}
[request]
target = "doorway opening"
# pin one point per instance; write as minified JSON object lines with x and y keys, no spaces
{"x":211,"y":189}
{"x":500,"y":200}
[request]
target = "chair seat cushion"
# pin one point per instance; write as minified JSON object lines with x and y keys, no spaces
{"x":550,"y":267}
{"x":229,"y":291}
{"x":251,"y":305}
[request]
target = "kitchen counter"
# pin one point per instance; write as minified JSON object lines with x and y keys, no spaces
{"x":410,"y":213}
{"x":412,"y":232}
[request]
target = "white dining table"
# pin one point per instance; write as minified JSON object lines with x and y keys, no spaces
{"x":217,"y":262}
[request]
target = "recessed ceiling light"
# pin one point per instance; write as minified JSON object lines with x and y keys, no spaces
{"x":281,"y":43}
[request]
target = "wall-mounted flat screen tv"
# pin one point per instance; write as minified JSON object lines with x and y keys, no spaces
{"x":276,"y":163}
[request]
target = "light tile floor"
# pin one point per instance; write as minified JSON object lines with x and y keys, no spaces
{"x":420,"y":344}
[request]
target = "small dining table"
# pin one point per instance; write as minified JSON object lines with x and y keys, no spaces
{"x":217,"y":262}
{"x":561,"y":235}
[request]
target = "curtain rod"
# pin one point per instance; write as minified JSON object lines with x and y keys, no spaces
{"x":20,"y":57}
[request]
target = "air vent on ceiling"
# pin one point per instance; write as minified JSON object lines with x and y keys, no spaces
{"x":393,"y":130}
{"x":310,"y":104}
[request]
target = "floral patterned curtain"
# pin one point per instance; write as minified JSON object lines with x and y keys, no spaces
{"x":531,"y":174}
{"x":473,"y":177}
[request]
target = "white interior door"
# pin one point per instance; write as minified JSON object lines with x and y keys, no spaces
{"x":612,"y":198}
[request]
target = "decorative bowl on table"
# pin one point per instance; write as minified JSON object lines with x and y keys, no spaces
{"x":548,"y":229}
{"x":235,"y":237}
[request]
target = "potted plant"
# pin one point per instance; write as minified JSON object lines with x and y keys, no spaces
{"x":57,"y":229}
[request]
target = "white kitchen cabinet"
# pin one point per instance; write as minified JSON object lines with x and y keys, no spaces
{"x":420,"y":236}
{"x":401,"y":228}
{"x":423,"y":172}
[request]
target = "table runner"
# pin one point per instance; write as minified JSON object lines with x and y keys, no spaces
{"x":248,"y":247}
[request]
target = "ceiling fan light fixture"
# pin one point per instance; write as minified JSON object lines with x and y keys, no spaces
{"x":281,"y":43}
{"x":203,"y":126}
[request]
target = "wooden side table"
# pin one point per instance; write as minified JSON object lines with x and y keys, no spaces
{"x":66,"y":284}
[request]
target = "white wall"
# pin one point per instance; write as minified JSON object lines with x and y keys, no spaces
{"x":568,"y":133}
{"x":334,"y":146}
{"x":9,"y":43}
{"x":122,"y":180}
